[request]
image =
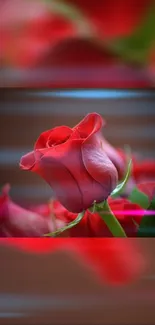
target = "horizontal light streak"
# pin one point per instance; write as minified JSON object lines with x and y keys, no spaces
{"x":93,"y":94}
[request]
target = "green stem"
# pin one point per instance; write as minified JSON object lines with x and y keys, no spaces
{"x":110,"y":220}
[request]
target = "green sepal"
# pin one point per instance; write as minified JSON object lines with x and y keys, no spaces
{"x":69,"y":226}
{"x":120,"y":187}
{"x":104,"y":211}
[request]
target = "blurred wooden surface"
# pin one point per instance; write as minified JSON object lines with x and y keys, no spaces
{"x":58,"y":289}
{"x":25,"y":114}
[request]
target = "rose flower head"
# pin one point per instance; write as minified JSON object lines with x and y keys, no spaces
{"x":74,"y":163}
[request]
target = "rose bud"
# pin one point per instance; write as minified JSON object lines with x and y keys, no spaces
{"x":18,"y":222}
{"x":74,"y":163}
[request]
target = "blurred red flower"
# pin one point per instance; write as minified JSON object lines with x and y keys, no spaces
{"x":29,"y":30}
{"x":148,"y":188}
{"x":18,"y":222}
{"x":113,"y":18}
{"x":144,"y":170}
{"x":28,"y":36}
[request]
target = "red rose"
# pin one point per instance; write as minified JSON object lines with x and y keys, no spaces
{"x":144,"y":170}
{"x":93,"y":226}
{"x":147,"y":188}
{"x":18,"y":222}
{"x":74,"y":163}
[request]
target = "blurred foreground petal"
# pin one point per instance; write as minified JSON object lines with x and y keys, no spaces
{"x":115,"y":261}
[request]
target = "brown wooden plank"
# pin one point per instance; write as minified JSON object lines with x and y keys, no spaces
{"x":43,"y":122}
{"x":15,"y":175}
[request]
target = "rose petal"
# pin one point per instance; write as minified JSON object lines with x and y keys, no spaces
{"x":89,"y":125}
{"x":41,"y":141}
{"x":27,"y":161}
{"x":115,"y":157}
{"x":94,"y":158}
{"x":99,"y":166}
{"x":52,"y":137}
{"x":70,"y":156}
{"x":62,"y":182}
{"x":36,"y":245}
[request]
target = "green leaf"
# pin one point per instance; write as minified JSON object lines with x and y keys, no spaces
{"x":135,"y":48}
{"x":120,"y":187}
{"x":110,"y":220}
{"x":147,"y":225}
{"x":152,"y":204}
{"x":139,"y":198}
{"x":70,"y":225}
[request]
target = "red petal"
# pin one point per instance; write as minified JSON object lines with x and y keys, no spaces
{"x":27,"y":162}
{"x":144,"y":170}
{"x":99,"y":166}
{"x":117,"y":261}
{"x":94,"y":158}
{"x":89,"y":125}
{"x":37,"y":245}
{"x":53,"y":136}
{"x":62,"y":182}
{"x":148,"y":188}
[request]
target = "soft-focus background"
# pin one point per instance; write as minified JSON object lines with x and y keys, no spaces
{"x":58,"y":289}
{"x":130,"y":117}
{"x":73,"y":44}
{"x":77,"y":43}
